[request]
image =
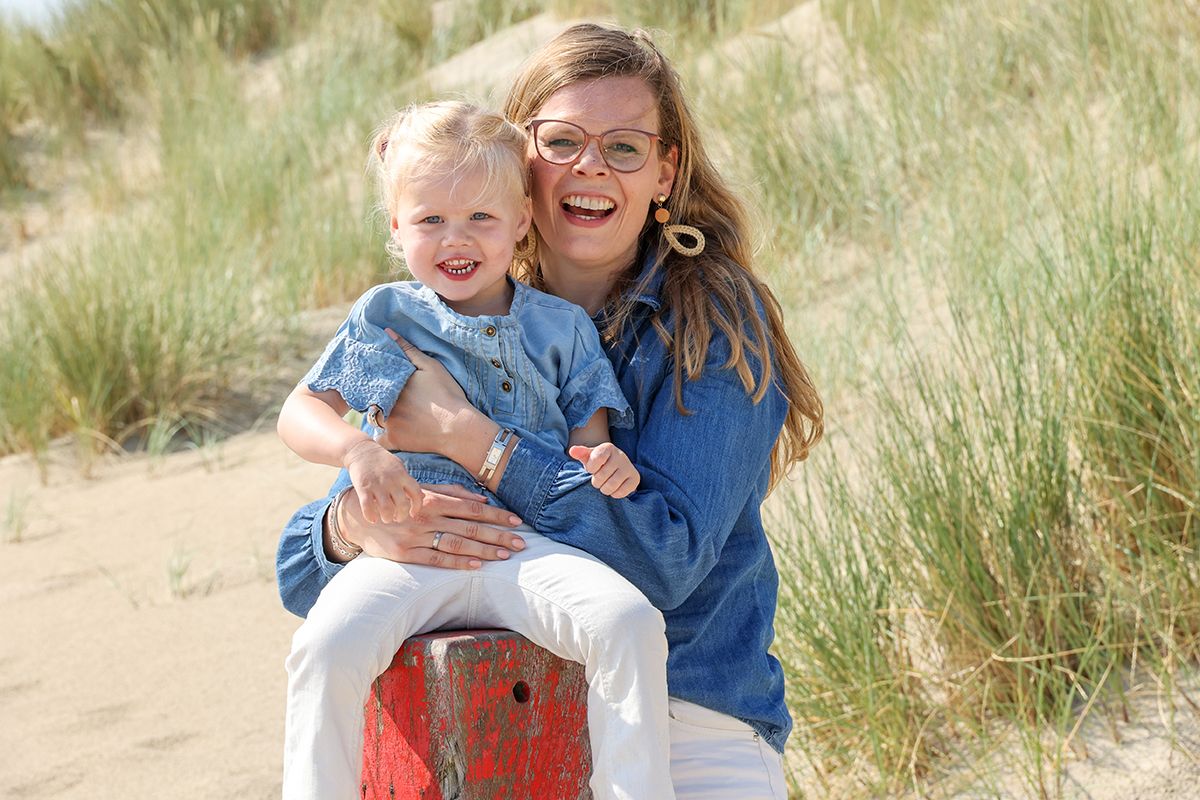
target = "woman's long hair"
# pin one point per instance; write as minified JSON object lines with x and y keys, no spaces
{"x":717,"y":287}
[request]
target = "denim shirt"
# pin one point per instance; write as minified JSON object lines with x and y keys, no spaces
{"x":539,"y":369}
{"x":691,"y":537}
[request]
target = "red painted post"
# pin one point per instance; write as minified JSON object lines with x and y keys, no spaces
{"x":477,"y":715}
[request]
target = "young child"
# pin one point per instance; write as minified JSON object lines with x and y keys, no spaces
{"x":454,"y":188}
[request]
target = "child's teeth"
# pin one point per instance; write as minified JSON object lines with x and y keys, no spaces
{"x":458,"y":266}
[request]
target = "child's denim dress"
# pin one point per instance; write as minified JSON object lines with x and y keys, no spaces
{"x":539,"y":369}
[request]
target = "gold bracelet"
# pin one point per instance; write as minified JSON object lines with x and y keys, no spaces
{"x":338,"y":542}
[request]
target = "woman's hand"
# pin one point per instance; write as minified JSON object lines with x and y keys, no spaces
{"x":424,"y":416}
{"x":468,"y":528}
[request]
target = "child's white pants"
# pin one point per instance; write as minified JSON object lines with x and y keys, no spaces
{"x":558,"y":597}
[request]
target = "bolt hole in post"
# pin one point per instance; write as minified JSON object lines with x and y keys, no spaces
{"x":521,"y":692}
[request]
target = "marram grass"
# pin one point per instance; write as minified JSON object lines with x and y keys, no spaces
{"x":1010,"y":535}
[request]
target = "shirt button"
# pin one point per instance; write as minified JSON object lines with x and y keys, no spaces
{"x":506,"y":386}
{"x":496,"y":363}
{"x":490,"y":330}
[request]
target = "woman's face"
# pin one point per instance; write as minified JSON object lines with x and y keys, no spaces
{"x":587,"y":214}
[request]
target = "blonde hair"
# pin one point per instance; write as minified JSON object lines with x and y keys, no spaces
{"x":718,"y":287}
{"x":449,"y":138}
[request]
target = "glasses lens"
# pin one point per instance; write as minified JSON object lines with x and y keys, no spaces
{"x":625,"y":150}
{"x":559,"y":142}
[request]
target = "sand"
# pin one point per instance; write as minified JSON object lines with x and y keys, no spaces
{"x":142,"y":638}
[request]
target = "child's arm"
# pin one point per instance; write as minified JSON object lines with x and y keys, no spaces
{"x":311,"y":424}
{"x":611,"y":470}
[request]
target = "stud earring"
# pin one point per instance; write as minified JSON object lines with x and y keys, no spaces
{"x":672,"y":232}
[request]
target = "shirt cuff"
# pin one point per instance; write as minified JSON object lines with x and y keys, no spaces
{"x":528,"y":479}
{"x":328,"y":568}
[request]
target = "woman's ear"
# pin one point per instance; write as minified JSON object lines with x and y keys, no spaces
{"x":667,"y":167}
{"x":395,"y":223}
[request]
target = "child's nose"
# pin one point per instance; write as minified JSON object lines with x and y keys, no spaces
{"x":455,"y":235}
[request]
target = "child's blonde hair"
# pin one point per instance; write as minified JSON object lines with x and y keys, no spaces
{"x":451,"y":138}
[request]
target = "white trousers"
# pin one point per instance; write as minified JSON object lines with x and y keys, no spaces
{"x":558,"y":597}
{"x":717,"y":757}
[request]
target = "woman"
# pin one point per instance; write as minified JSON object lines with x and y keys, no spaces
{"x":722,"y":404}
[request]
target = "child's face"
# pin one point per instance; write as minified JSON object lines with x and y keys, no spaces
{"x":459,"y":242}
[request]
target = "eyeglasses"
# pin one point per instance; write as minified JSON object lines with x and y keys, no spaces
{"x":623,"y":149}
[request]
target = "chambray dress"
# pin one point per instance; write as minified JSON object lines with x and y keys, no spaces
{"x":539,"y":369}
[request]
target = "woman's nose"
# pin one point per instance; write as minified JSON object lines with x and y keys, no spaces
{"x":591,"y":160}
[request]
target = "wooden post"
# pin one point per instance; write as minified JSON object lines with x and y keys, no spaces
{"x":477,"y":715}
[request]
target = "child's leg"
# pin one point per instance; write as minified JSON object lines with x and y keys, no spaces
{"x":350,"y":637}
{"x":580,"y":609}
{"x":558,"y":597}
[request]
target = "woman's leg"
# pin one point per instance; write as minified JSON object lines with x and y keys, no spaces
{"x":558,"y":597}
{"x":715,"y":757}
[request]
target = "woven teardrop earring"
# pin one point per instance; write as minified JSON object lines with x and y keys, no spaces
{"x":672,"y":232}
{"x":525,"y":247}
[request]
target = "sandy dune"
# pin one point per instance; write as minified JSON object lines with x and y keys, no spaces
{"x":142,"y":640}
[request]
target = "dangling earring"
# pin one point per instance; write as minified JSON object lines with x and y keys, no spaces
{"x":672,"y":232}
{"x":526,"y":246}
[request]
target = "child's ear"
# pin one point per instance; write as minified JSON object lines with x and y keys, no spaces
{"x":526,"y":218}
{"x":395,"y":223}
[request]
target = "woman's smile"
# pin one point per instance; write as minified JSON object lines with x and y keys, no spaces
{"x":587,"y":209}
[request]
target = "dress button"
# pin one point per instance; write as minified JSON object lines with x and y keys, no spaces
{"x":490,"y":330}
{"x":506,"y":386}
{"x":496,"y":363}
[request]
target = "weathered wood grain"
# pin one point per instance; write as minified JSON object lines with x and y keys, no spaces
{"x":477,"y":715}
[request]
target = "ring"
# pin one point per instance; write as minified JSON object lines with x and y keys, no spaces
{"x":437,"y":538}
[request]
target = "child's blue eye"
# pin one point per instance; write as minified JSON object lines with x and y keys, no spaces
{"x":481,"y":215}
{"x":433,"y":218}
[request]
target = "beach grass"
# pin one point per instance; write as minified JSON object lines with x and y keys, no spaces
{"x":981,"y":219}
{"x":1021,"y":497}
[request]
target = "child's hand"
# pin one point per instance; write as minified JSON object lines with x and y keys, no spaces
{"x":611,"y":470}
{"x":382,"y":483}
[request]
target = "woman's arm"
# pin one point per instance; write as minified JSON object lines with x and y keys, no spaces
{"x":698,"y":472}
{"x":472,"y":531}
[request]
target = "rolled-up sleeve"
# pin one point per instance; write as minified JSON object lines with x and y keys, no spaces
{"x":591,"y":384}
{"x":361,"y":362}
